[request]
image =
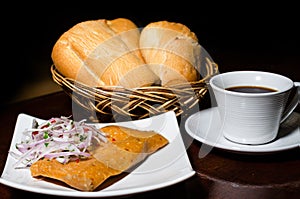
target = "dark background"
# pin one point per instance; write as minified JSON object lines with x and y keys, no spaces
{"x":238,"y":37}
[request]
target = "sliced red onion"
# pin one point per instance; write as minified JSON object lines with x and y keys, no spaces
{"x":60,"y":138}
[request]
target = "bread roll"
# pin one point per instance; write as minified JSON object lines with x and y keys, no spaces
{"x":103,"y":52}
{"x":172,"y":51}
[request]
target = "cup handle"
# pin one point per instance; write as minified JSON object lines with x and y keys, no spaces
{"x":293,"y":104}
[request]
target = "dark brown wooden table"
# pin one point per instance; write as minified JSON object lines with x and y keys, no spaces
{"x":220,"y":174}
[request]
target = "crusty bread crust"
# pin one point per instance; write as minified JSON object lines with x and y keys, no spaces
{"x":172,"y":51}
{"x":116,"y":53}
{"x":102,"y":52}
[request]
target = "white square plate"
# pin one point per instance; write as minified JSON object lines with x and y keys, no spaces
{"x":165,"y":167}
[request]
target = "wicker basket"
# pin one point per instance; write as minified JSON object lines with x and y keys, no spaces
{"x":112,"y":103}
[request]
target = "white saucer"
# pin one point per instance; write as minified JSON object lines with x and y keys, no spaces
{"x":205,"y":126}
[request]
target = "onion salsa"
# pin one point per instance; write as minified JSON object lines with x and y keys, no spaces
{"x":59,"y":137}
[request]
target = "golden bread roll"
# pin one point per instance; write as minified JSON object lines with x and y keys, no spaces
{"x":125,"y":148}
{"x":172,"y":51}
{"x":102,"y":52}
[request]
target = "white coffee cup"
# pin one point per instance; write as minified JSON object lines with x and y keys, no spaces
{"x":252,"y":118}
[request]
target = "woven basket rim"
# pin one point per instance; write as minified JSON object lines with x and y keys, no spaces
{"x":211,"y":67}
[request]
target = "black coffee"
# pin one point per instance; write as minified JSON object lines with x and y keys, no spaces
{"x":251,"y":89}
